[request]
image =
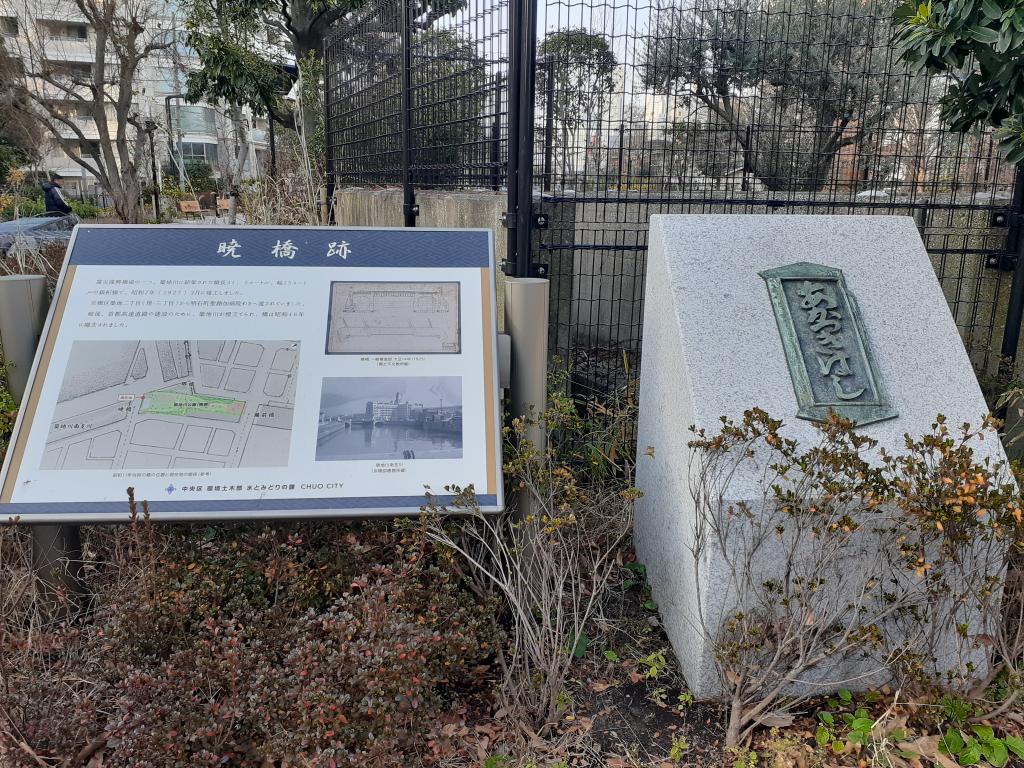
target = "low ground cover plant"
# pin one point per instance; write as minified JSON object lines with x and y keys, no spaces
{"x":525,"y":639}
{"x":321,"y":644}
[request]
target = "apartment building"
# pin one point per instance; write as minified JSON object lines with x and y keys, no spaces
{"x":55,"y":32}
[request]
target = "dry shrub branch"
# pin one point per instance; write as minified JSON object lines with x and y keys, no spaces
{"x":321,"y":644}
{"x":549,"y":560}
{"x":850,"y":565}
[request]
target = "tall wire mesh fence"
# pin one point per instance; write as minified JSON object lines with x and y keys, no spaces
{"x":679,"y":106}
{"x":456,"y":88}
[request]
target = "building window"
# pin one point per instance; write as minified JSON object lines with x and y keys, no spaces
{"x":198,"y":152}
{"x":196,"y":119}
{"x":74,"y":69}
{"x":8,"y":26}
{"x":89,"y":149}
{"x":71,"y":110}
{"x":65,"y":31}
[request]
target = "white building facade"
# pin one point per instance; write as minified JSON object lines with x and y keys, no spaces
{"x":57,"y":34}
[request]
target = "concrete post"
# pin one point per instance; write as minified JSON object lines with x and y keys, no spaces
{"x":23,"y":305}
{"x":526,"y":321}
{"x":24,"y":301}
{"x":57,"y":562}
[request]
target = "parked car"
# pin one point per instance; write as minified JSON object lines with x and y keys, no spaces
{"x":34,"y":231}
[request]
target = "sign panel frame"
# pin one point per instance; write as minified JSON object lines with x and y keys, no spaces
{"x":371,"y":255}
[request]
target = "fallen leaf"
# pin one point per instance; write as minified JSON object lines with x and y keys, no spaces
{"x":928,"y":747}
{"x":882,"y":728}
{"x":535,"y":740}
{"x":776,"y":719}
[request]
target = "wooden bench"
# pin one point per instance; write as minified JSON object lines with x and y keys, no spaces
{"x":190,"y":208}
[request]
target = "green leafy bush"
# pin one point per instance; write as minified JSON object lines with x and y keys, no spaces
{"x":977,"y":46}
{"x":35,"y":207}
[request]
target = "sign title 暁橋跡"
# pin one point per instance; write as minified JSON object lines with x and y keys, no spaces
{"x":283,"y":249}
{"x":827,"y":349}
{"x":277,"y":247}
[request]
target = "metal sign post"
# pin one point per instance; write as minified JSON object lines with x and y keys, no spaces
{"x":526,"y":321}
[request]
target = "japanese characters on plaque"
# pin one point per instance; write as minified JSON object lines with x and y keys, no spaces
{"x":827,"y":350}
{"x":261,"y":372}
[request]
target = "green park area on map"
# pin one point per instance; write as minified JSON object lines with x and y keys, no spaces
{"x":182,"y":404}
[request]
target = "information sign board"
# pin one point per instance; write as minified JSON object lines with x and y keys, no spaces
{"x":260,"y":372}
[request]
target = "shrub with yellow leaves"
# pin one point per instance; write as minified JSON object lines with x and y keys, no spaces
{"x":858,"y":565}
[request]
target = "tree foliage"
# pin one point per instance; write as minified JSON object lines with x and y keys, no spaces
{"x":99,"y":92}
{"x":979,"y":46}
{"x":253,"y":50}
{"x":236,"y":70}
{"x":20,"y":135}
{"x":582,"y":66}
{"x":793,"y":80}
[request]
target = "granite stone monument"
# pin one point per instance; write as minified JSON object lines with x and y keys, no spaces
{"x":738,"y":311}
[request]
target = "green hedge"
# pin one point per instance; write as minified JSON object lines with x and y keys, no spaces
{"x":30,"y":207}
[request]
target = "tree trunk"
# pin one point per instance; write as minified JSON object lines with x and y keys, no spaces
{"x":127,"y":202}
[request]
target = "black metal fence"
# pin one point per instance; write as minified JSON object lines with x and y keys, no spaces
{"x":591,"y":116}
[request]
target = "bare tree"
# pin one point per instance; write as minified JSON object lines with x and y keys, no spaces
{"x":75,"y":96}
{"x":232,"y":136}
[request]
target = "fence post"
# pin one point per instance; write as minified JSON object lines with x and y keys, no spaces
{"x":409,"y":208}
{"x":521,"y":84}
{"x":524,"y":179}
{"x":328,"y":219}
{"x":56,"y":549}
{"x":1015,"y":244}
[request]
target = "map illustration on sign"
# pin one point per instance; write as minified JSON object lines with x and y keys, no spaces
{"x":174,"y":404}
{"x":394,"y":318}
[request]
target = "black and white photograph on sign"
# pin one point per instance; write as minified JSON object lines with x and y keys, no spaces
{"x":136,"y":404}
{"x":394,"y":318}
{"x":389,"y":417}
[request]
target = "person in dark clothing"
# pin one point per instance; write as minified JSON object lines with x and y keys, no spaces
{"x":55,"y":202}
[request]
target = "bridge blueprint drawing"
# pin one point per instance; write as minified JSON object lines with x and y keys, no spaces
{"x":394,"y":318}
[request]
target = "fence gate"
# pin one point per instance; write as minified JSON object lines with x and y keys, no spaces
{"x":681,"y":106}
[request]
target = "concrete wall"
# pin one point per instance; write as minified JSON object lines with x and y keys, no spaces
{"x":359,"y":207}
